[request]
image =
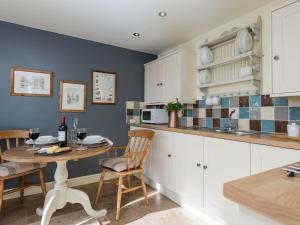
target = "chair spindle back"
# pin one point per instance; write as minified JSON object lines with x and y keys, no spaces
{"x":16,"y":135}
{"x":138,"y":147}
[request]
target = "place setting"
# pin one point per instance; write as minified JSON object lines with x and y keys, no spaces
{"x":48,"y":145}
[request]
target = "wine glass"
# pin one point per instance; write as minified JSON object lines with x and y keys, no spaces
{"x":34,"y":133}
{"x":81,"y":134}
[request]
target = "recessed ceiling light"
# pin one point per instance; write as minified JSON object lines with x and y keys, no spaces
{"x":136,"y":34}
{"x":162,"y":14}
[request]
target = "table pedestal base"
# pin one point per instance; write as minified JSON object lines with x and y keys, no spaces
{"x":60,"y":195}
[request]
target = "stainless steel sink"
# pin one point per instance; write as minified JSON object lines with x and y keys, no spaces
{"x":236,"y":132}
{"x":223,"y":130}
{"x":243,"y":132}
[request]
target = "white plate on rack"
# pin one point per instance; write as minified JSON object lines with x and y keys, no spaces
{"x":245,"y":41}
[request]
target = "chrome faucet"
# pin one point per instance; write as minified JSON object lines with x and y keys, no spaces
{"x":230,"y":126}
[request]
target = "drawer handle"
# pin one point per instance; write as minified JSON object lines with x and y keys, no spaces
{"x":169,"y":155}
{"x":205,"y":167}
{"x":276,"y":57}
{"x":198,"y":164}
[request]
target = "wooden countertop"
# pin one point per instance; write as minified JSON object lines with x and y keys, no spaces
{"x":259,"y":138}
{"x":271,"y":193}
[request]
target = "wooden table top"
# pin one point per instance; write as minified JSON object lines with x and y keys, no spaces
{"x":271,"y":193}
{"x":22,"y":155}
{"x":259,"y":138}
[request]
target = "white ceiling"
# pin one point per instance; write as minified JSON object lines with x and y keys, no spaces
{"x":114,"y":21}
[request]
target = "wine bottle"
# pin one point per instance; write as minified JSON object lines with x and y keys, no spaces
{"x":62,"y":133}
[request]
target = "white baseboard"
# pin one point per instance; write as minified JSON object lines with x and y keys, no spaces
{"x":72,"y":182}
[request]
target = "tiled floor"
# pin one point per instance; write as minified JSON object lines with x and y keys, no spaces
{"x":134,"y":207}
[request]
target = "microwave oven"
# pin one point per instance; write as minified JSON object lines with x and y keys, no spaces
{"x":155,"y":116}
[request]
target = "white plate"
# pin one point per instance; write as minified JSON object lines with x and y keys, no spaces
{"x":245,"y":41}
{"x":205,"y":55}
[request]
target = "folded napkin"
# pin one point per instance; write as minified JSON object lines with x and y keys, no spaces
{"x":95,"y":139}
{"x":43,"y":140}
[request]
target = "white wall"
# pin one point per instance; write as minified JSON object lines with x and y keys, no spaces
{"x":265,"y":13}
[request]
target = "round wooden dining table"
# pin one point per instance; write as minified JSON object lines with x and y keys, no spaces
{"x":61,"y":194}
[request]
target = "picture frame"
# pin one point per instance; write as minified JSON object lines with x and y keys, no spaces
{"x":31,"y":82}
{"x":104,"y":87}
{"x":72,"y":97}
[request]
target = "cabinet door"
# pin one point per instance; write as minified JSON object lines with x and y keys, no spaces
{"x":225,"y":161}
{"x":153,"y":80}
{"x":189,"y":171}
{"x":285,"y":49}
{"x":265,"y":158}
{"x":171,"y":68}
{"x":162,"y":171}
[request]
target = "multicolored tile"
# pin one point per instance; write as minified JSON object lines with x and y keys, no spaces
{"x":224,"y":122}
{"x":268,"y":126}
{"x":216,"y":113}
{"x":208,"y":112}
{"x":136,"y":112}
{"x":255,"y":101}
{"x":254,"y":113}
{"x":266,"y":100}
{"x":209,"y":122}
{"x":224,"y":102}
{"x":255,"y":125}
{"x":216,"y":123}
{"x":234,"y":102}
{"x":244,"y":113}
{"x":294,"y":113}
{"x":280,"y":101}
{"x":244,"y":124}
{"x":244,"y":101}
{"x":282,"y":113}
{"x":225,"y":113}
{"x":281,"y":126}
{"x":267,"y":113}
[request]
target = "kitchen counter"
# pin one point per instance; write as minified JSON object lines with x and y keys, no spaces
{"x":259,"y":138}
{"x":271,"y":194}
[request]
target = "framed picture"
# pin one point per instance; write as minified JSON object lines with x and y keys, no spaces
{"x":29,"y":82}
{"x":72,"y":96}
{"x":103,"y":87}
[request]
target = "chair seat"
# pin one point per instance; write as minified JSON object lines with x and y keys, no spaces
{"x":13,"y":168}
{"x":118,"y":164}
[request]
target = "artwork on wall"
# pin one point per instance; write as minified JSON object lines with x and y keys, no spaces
{"x":29,"y":82}
{"x":72,"y":96}
{"x":103,"y":87}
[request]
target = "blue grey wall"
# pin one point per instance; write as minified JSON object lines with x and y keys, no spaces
{"x":70,"y":59}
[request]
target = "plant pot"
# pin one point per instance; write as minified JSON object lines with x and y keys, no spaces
{"x":173,"y":119}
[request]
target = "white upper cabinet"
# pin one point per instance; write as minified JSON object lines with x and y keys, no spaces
{"x":285,"y":50}
{"x":171,"y":77}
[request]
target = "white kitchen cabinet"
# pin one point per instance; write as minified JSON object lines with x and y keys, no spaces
{"x":285,"y":50}
{"x":171,"y":77}
{"x":189,"y":170}
{"x":153,"y":80}
{"x":265,"y":158}
{"x":224,"y":161}
{"x":162,"y":161}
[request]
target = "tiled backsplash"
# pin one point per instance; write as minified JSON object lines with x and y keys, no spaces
{"x":259,"y":112}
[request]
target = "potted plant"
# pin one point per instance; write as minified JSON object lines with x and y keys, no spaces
{"x":173,"y":108}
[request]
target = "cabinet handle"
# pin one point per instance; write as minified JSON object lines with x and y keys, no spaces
{"x":157,"y":84}
{"x":161,"y":84}
{"x":276,"y":57}
{"x":198,"y":164}
{"x":205,"y":167}
{"x":169,"y":155}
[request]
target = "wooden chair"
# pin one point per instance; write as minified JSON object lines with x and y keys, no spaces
{"x":17,"y":170}
{"x":132,"y":162}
